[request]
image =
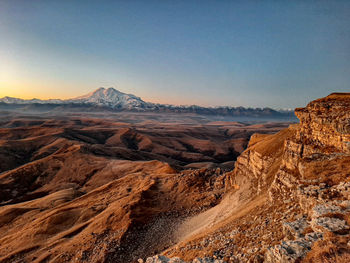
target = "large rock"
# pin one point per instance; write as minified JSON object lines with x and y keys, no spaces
{"x":324,"y":209}
{"x":331,"y":224}
{"x":163,"y":259}
{"x":326,"y":122}
{"x":291,"y":250}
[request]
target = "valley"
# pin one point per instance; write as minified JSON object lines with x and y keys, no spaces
{"x":110,"y":182}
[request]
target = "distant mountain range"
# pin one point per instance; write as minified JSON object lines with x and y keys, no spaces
{"x":111,"y":99}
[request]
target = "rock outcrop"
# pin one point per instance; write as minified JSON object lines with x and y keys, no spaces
{"x":315,"y":173}
{"x":325,"y":123}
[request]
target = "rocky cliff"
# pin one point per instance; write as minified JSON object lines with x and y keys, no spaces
{"x":314,"y":173}
{"x":325,"y":123}
{"x":305,"y":170}
{"x":307,"y":167}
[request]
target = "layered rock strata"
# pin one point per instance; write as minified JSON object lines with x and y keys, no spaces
{"x":315,"y":173}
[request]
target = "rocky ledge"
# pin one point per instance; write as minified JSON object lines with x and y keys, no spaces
{"x":315,"y":173}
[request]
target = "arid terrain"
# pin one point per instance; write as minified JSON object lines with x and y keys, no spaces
{"x":135,"y":187}
{"x":109,"y":188}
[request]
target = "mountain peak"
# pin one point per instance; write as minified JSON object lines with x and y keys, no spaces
{"x":111,"y":97}
{"x":100,"y":92}
{"x":107,"y":90}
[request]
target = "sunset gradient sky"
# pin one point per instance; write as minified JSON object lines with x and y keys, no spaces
{"x":237,"y":53}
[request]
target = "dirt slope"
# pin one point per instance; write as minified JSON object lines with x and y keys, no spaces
{"x":100,"y":190}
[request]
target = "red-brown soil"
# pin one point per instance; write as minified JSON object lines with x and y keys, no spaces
{"x":100,"y":189}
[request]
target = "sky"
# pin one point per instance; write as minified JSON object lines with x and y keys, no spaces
{"x":279,"y":54}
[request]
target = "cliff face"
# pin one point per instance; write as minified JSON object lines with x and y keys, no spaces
{"x":308,"y":165}
{"x":325,"y":123}
{"x":290,"y":155}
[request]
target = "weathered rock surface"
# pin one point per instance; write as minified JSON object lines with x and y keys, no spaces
{"x":291,"y":250}
{"x":163,"y":259}
{"x":312,"y":172}
{"x":326,"y":122}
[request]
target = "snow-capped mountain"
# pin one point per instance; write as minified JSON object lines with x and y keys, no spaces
{"x":103,"y":97}
{"x":112,"y":99}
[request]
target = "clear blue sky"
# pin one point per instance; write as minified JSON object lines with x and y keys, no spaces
{"x":248,"y":53}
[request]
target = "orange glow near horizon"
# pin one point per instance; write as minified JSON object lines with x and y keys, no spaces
{"x":36,"y":91}
{"x":32,"y":91}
